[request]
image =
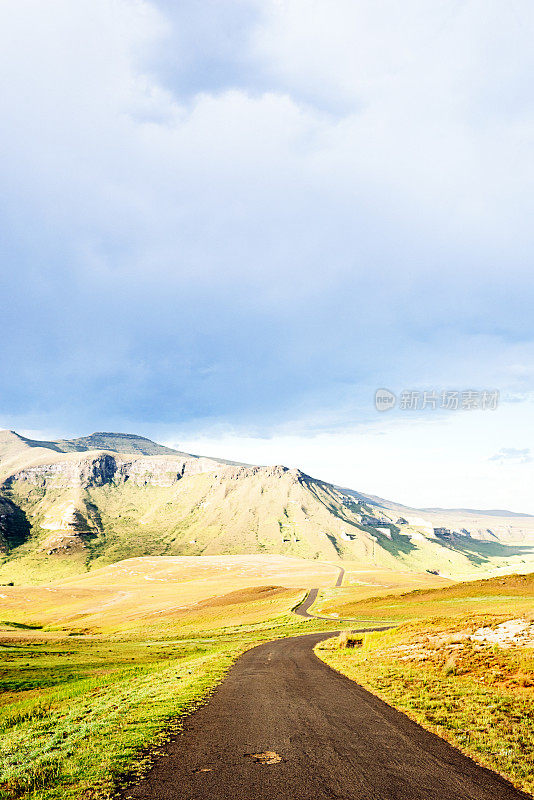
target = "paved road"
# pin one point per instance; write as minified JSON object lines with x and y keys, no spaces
{"x":328,"y":739}
{"x":302,"y":610}
{"x":340,"y":577}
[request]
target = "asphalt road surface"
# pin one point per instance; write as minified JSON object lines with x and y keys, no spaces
{"x":323,"y":737}
{"x":340,"y":577}
{"x":303,"y":610}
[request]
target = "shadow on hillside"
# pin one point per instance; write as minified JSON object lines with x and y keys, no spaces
{"x":396,"y":545}
{"x":14,"y":526}
{"x":480,"y":552}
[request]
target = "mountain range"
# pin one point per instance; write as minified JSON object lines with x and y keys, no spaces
{"x":75,"y":504}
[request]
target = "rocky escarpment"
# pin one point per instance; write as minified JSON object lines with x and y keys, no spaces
{"x":105,"y":468}
{"x":236,"y":473}
{"x":62,"y":497}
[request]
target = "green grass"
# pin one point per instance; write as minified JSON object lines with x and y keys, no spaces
{"x":77,"y":715}
{"x":478,"y":697}
{"x":87,"y":723}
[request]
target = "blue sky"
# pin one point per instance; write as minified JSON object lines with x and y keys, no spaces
{"x":225,"y":224}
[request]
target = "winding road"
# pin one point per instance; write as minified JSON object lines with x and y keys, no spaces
{"x":303,"y":608}
{"x":284,"y":726}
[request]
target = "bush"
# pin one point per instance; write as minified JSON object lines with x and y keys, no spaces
{"x":347,"y":640}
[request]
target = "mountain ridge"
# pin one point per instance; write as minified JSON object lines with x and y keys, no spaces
{"x":75,"y":504}
{"x":127,"y":443}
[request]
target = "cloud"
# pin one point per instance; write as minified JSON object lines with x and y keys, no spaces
{"x":262,"y":213}
{"x":435,"y":462}
{"x":513,"y":454}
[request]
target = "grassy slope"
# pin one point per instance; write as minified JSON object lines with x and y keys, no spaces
{"x":76,"y":715}
{"x":228,"y":510}
{"x":202,"y":514}
{"x":504,"y":596}
{"x":477,"y":696}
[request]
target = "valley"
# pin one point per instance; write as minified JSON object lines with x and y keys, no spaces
{"x":134,"y":579}
{"x":100,"y":671}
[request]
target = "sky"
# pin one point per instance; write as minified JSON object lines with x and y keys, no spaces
{"x":225,"y":225}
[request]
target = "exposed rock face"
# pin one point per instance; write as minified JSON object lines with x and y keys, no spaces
{"x":65,"y":517}
{"x":236,"y":473}
{"x":62,"y":543}
{"x":104,"y":468}
{"x":87,"y":472}
{"x":163,"y":471}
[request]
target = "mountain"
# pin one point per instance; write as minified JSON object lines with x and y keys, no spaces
{"x":488,"y":525}
{"x":13,"y":444}
{"x":76,"y":504}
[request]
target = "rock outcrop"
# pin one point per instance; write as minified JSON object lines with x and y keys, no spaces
{"x":104,"y":468}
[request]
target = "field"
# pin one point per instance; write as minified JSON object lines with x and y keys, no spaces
{"x":361,"y":584}
{"x":98,"y":668}
{"x":499,"y":597}
{"x":166,"y":595}
{"x":78,"y":715}
{"x":445,"y":670}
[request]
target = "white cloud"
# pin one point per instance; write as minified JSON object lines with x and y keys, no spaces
{"x":349,"y":207}
{"x":97,"y":146}
{"x":434,"y":112}
{"x":520,"y":456}
{"x":440,"y":461}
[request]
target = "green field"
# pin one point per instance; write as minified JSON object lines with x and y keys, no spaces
{"x":96,"y":669}
{"x":79,"y":714}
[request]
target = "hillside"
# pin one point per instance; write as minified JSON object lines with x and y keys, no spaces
{"x":71,"y":505}
{"x":17,"y":451}
{"x":494,"y":525}
{"x":500,"y":597}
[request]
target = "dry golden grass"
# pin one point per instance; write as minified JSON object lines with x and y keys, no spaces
{"x":166,"y":592}
{"x":511,"y":595}
{"x":477,"y":696}
{"x":364,"y":584}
